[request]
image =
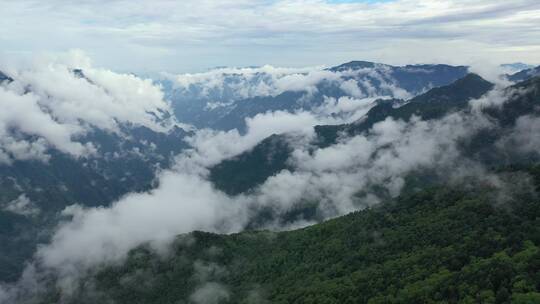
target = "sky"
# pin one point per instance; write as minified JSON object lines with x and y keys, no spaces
{"x":190,"y":36}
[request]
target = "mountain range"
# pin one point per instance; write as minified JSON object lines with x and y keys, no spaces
{"x":217,"y":103}
{"x":462,"y":226}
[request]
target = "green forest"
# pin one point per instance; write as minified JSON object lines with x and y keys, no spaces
{"x":452,"y":243}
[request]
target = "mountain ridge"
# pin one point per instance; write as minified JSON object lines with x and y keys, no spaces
{"x":429,"y":246}
{"x":469,"y":87}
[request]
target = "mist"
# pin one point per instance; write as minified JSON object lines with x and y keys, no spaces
{"x":340,"y":178}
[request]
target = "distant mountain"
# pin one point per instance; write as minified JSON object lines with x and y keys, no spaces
{"x":245,"y":172}
{"x":4,"y":77}
{"x":517,"y":66}
{"x":354,"y":65}
{"x":414,"y":79}
{"x":525,"y":74}
{"x":215,"y":102}
{"x":430,"y":105}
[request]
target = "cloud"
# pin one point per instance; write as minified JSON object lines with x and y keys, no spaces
{"x":138,"y":35}
{"x":185,"y":200}
{"x":106,"y":234}
{"x":48,"y":105}
{"x":22,"y":205}
{"x":236,"y":83}
{"x":524,"y":136}
{"x":338,"y":179}
{"x":335,"y":175}
{"x":90,"y":236}
{"x":223,"y":86}
{"x":209,"y":147}
{"x":23,"y":114}
{"x":210,"y":293}
{"x":344,"y":109}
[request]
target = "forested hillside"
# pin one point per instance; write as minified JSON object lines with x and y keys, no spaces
{"x":460,"y":243}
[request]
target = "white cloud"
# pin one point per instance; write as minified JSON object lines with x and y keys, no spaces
{"x":182,"y":203}
{"x":334,"y":175}
{"x":22,"y":205}
{"x":47,"y":105}
{"x":344,"y":109}
{"x":220,"y":91}
{"x":185,"y":200}
{"x":350,"y":87}
{"x":172,"y":35}
{"x":247,"y":82}
{"x":524,"y":136}
{"x":210,"y":293}
{"x":210,"y":146}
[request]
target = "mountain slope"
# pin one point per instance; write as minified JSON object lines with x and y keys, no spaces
{"x":34,"y":190}
{"x":525,"y":74}
{"x":441,"y":245}
{"x":225,"y":99}
{"x":412,"y":78}
{"x":430,"y":105}
{"x":124,"y":165}
{"x":265,"y":159}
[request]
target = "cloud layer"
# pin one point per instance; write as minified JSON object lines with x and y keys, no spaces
{"x":229,"y":84}
{"x":51,"y":105}
{"x":194,"y":35}
{"x":339,"y":178}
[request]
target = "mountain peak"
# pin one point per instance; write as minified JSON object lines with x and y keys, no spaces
{"x":470,"y":79}
{"x":4,"y":77}
{"x":463,"y":89}
{"x":525,"y":74}
{"x":78,"y":73}
{"x":354,"y":65}
{"x":517,"y":66}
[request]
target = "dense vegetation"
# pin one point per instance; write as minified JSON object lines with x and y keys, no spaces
{"x":446,"y":244}
{"x":267,"y":158}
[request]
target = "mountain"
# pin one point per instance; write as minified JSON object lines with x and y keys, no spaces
{"x":525,"y":74}
{"x":4,"y":77}
{"x":445,"y":193}
{"x":412,"y":78}
{"x":265,"y":159}
{"x":522,"y":99}
{"x":215,"y":102}
{"x":33,"y":192}
{"x":430,"y":105}
{"x":244,"y":172}
{"x":445,"y":244}
{"x":127,"y":165}
{"x":517,"y":66}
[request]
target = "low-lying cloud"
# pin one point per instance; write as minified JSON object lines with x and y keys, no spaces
{"x":339,"y":179}
{"x":50,"y":105}
{"x":334,"y":177}
{"x":229,"y":84}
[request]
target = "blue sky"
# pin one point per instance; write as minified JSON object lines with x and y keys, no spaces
{"x":183,"y":36}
